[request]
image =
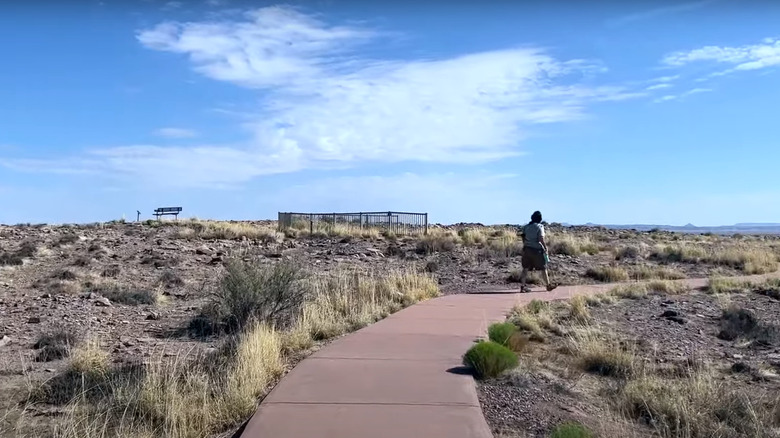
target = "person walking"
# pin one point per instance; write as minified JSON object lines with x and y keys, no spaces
{"x":535,"y":255}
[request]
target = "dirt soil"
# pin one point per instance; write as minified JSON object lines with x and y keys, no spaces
{"x":673,"y":333}
{"x":60,"y":286}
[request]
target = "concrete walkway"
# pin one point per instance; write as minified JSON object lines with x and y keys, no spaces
{"x":400,"y":377}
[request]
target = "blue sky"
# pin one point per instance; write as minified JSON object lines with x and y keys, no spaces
{"x":603,"y":111}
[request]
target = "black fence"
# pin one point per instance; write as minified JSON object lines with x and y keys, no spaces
{"x":393,"y":221}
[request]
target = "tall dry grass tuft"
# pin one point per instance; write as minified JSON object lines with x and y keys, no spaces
{"x":347,"y":301}
{"x":472,"y":236}
{"x":698,"y":406}
{"x":196,"y":394}
{"x":600,"y":352}
{"x":219,"y":230}
{"x":607,"y":274}
{"x":571,"y":245}
{"x":751,"y":259}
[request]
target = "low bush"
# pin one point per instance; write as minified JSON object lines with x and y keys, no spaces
{"x":571,"y":430}
{"x":437,"y":242}
{"x":55,"y":345}
{"x":118,"y":293}
{"x":607,"y":274}
{"x":489,"y":359}
{"x":501,"y":332}
{"x":252,"y":292}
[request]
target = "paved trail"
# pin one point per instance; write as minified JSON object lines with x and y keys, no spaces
{"x":400,"y":377}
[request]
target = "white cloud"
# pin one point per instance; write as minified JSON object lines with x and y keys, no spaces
{"x":658,"y":12}
{"x":175,"y":133}
{"x":169,"y":6}
{"x":658,"y":87}
{"x":748,"y":57}
{"x":685,"y":94}
{"x":326,"y":105}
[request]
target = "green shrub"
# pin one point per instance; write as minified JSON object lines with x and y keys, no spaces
{"x":489,"y":359}
{"x":571,"y":430}
{"x":250,"y":291}
{"x":500,"y":332}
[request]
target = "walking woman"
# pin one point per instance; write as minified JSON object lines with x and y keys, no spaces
{"x":535,"y":255}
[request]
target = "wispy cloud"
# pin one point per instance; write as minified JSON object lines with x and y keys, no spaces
{"x":328,"y":105}
{"x":747,"y":57}
{"x":669,"y":97}
{"x":659,"y":12}
{"x":170,"y":6}
{"x":175,"y":133}
{"x":658,"y":87}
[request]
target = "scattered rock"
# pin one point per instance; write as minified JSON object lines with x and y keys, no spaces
{"x":103,"y":302}
{"x":153,"y":316}
{"x":4,"y":340}
{"x":204,"y":250}
{"x":677,"y":319}
{"x":34,"y":320}
{"x":669,"y":314}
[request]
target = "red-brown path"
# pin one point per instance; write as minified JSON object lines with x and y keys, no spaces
{"x":397,"y":378}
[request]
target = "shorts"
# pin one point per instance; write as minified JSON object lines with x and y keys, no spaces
{"x":533,"y":259}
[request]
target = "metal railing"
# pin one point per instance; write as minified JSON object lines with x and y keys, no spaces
{"x":392,"y":221}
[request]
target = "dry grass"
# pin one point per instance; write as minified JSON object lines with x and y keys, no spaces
{"x":89,"y":359}
{"x":572,"y":245}
{"x":219,"y":230}
{"x":630,"y":291}
{"x":698,"y":406}
{"x":725,"y":285}
{"x":601,"y":353}
{"x":347,"y":301}
{"x":195,"y":395}
{"x":645,"y":272}
{"x":504,"y":245}
{"x":472,"y":236}
{"x":438,"y":241}
{"x":668,"y":287}
{"x":578,"y":309}
{"x":607,"y":274}
{"x":750,"y":259}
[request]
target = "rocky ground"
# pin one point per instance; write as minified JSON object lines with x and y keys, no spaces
{"x":731,"y":342}
{"x":77,"y":280}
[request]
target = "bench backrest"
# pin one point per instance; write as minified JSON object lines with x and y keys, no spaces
{"x":167,"y":210}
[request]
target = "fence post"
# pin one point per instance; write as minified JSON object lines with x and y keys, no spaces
{"x":311,"y":223}
{"x":426,"y":224}
{"x":361,"y":221}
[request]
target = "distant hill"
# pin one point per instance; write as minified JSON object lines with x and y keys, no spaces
{"x":741,"y":228}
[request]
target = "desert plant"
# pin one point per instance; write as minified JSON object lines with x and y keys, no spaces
{"x":118,"y":293}
{"x":250,"y":291}
{"x":607,"y":274}
{"x":571,"y":430}
{"x":722,"y":285}
{"x":489,"y":359}
{"x":437,"y":242}
{"x":55,"y":345}
{"x":601,"y":353}
{"x":89,"y":359}
{"x":500,"y":332}
{"x":578,"y":309}
{"x":631,"y":291}
{"x":570,"y":245}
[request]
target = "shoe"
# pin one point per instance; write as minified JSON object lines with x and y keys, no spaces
{"x":525,"y":289}
{"x":551,"y":287}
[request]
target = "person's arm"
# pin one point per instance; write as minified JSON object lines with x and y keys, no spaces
{"x":541,"y":240}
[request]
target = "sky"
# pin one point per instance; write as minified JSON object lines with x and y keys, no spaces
{"x":604,"y":111}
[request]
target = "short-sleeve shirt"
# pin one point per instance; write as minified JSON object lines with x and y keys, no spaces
{"x":533,"y":232}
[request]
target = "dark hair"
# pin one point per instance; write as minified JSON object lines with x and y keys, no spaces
{"x":536,"y":217}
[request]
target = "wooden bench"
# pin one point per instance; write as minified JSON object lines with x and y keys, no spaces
{"x":162,"y":211}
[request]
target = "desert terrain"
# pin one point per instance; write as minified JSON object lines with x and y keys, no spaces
{"x":160,"y":328}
